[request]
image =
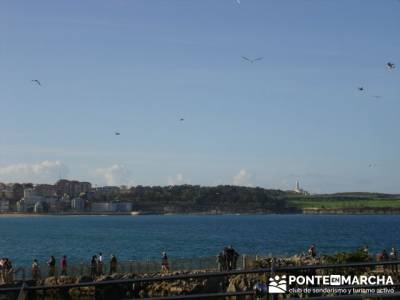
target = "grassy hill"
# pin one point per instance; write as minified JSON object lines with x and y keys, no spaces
{"x":346,"y":200}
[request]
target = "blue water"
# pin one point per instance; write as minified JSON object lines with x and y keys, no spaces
{"x":144,"y":237}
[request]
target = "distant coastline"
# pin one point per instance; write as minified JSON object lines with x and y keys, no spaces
{"x":305,"y":211}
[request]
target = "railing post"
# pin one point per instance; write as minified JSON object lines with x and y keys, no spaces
{"x":271,"y":296}
{"x":244,"y":262}
{"x":22,"y":293}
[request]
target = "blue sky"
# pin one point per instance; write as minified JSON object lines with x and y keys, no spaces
{"x":138,"y":66}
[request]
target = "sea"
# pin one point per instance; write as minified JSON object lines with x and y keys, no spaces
{"x":23,"y":238}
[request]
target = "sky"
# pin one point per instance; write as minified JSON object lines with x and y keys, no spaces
{"x":138,"y":66}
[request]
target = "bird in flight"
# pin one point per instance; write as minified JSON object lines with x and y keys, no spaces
{"x":117,"y":133}
{"x":37,"y":81}
{"x":391,"y":66}
{"x":181,"y":119}
{"x":252,"y":60}
{"x":360,"y":88}
{"x":372,"y":165}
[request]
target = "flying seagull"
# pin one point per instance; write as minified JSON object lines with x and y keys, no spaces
{"x":117,"y":133}
{"x":252,"y":60}
{"x":37,"y":81}
{"x":391,"y":66}
{"x":181,"y":119}
{"x":360,"y":88}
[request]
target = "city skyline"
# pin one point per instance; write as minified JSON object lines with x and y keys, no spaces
{"x":169,"y":78}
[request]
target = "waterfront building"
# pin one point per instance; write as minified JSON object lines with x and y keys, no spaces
{"x":122,"y":206}
{"x":4,"y":205}
{"x":103,"y":207}
{"x":29,"y":192}
{"x":78,"y":204}
{"x":65,"y":202}
{"x":32,"y":202}
{"x":39,"y":207}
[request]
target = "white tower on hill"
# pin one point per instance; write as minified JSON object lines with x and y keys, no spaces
{"x":299,"y":190}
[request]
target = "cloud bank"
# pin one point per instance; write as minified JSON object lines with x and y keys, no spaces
{"x":115,"y":175}
{"x":177,"y":180}
{"x":242,"y":178}
{"x":42,"y":172}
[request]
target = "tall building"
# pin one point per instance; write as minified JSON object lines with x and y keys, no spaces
{"x":72,"y":187}
{"x":45,"y":190}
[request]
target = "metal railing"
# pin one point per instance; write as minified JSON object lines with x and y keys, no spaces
{"x":273,"y":269}
{"x":137,"y":267}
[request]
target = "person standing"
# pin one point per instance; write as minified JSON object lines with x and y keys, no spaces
{"x":52,"y":266}
{"x":2,"y":264}
{"x":394,"y":255}
{"x":113,"y":264}
{"x":221,"y":260}
{"x":164,"y":263}
{"x":312,"y":251}
{"x":100,"y":264}
{"x":231,"y":257}
{"x":93,"y":267}
{"x":35,"y":270}
{"x":366,"y":250}
{"x":64,"y":266}
{"x":9,"y":271}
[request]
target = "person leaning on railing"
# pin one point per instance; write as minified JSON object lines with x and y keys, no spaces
{"x":52,"y":266}
{"x":113,"y":264}
{"x":35,"y":270}
{"x":93,"y":267}
{"x":164,"y":263}
{"x":394,"y":255}
{"x":64,"y":266}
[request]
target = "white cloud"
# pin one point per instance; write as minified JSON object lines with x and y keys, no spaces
{"x":115,"y":175}
{"x":242,"y":178}
{"x":42,"y":172}
{"x":177,"y":180}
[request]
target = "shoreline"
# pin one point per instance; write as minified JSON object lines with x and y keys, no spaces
{"x":308,"y":211}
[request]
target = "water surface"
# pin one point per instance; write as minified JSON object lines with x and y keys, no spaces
{"x":144,"y":237}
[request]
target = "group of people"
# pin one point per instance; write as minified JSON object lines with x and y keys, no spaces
{"x":97,"y":265}
{"x":52,"y":269}
{"x":384,"y":255}
{"x":227,"y":259}
{"x":6,"y":270}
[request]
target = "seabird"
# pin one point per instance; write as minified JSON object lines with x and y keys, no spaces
{"x":181,"y":119}
{"x":37,"y":81}
{"x":360,"y":88}
{"x":391,"y":66}
{"x":252,"y":60}
{"x":117,"y":133}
